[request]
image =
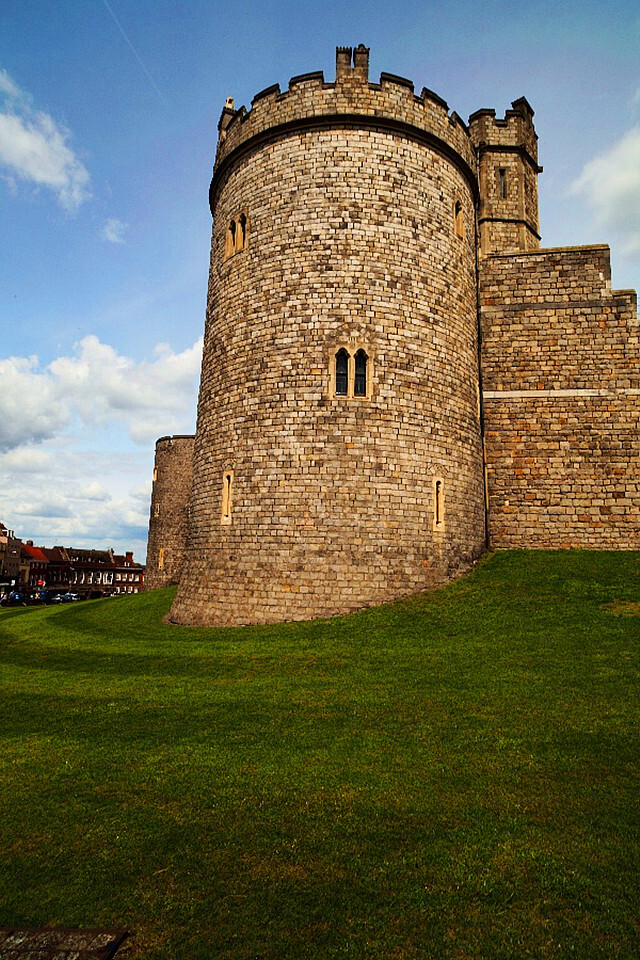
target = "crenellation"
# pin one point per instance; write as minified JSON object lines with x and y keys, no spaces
{"x":273,"y":91}
{"x":427,"y":94}
{"x":315,"y":77}
{"x":392,"y":78}
{"x":393,"y":99}
{"x":514,"y":130}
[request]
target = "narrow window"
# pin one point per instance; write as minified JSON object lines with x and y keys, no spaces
{"x":502,"y":183}
{"x":438,"y":504}
{"x":458,"y":219}
{"x":161,"y":559}
{"x":230,"y":240}
{"x":360,"y":382}
{"x":342,"y":373}
{"x":156,"y":510}
{"x":227,"y":481}
{"x":241,"y":238}
{"x":155,"y":474}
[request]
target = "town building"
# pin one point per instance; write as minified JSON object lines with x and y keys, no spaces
{"x":34,"y":568}
{"x":9,"y":557}
{"x":39,"y":572}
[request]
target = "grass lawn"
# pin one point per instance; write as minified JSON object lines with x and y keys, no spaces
{"x":454,"y":775}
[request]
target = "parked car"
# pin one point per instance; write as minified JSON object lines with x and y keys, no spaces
{"x":14,"y":599}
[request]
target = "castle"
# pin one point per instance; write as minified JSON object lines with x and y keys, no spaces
{"x":395,"y":374}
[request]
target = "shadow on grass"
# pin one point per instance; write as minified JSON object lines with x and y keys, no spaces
{"x":454,"y":775}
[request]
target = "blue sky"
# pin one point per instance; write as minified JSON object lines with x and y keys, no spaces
{"x":108,"y":114}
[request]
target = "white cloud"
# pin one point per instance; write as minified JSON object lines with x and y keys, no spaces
{"x":96,"y":386}
{"x":143,"y":492}
{"x":9,"y":88}
{"x":68,"y":505}
{"x":31,"y":408}
{"x":610,"y":183}
{"x":33,"y":147}
{"x":93,"y":491}
{"x":49,"y":505}
{"x":114,"y":230}
{"x":26,"y":460}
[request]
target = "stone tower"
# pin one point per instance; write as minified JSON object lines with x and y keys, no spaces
{"x":507,"y":157}
{"x":168,"y":522}
{"x":338,"y":453}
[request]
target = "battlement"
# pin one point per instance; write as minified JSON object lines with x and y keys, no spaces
{"x":514,"y":131}
{"x":311,"y":102}
{"x":172,"y":438}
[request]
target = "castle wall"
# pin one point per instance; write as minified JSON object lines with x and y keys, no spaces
{"x":168,"y":522}
{"x":351,"y":243}
{"x":561,"y":378}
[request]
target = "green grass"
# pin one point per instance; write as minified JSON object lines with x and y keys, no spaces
{"x":454,"y":775}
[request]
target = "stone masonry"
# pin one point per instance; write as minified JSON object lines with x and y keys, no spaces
{"x":561,"y":376}
{"x":168,"y":523}
{"x":387,"y":349}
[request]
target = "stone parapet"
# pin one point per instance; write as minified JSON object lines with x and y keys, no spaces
{"x":311,"y":102}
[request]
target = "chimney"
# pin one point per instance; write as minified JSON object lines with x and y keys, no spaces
{"x":343,"y":62}
{"x":129,"y":556}
{"x":361,"y":62}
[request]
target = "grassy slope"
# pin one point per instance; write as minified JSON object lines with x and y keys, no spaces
{"x":450,"y":776}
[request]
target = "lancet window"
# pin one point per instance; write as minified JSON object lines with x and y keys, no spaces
{"x":351,"y":374}
{"x":237,"y":235}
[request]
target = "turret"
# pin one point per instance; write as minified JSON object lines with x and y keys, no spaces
{"x":169,"y":511}
{"x":507,"y":152}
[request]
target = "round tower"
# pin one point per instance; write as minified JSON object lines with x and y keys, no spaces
{"x":168,"y":521}
{"x":338,"y":453}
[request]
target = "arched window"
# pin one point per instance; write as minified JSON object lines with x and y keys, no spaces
{"x":458,"y":219}
{"x":438,"y":504}
{"x":241,"y":238}
{"x":360,"y":380}
{"x":227,"y":481}
{"x":230,"y":240}
{"x":237,"y":235}
{"x":342,"y":373}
